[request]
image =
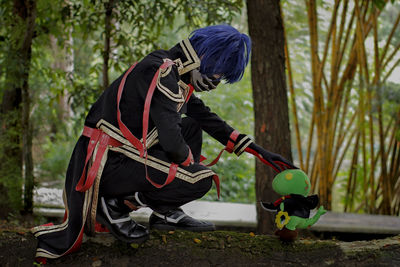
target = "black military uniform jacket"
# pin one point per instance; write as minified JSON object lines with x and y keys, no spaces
{"x":167,"y":105}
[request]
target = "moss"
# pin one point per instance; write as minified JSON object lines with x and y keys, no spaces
{"x":219,"y":248}
{"x":244,"y":243}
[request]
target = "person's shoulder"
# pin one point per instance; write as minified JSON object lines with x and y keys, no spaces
{"x":154,"y":60}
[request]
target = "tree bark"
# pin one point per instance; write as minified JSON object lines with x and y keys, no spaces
{"x":26,"y":102}
{"x":15,"y":110}
{"x":269,"y":95}
{"x":107,"y":40}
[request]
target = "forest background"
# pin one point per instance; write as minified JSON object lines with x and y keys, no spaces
{"x":342,"y":81}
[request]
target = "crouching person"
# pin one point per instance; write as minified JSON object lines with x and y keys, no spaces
{"x":136,"y":150}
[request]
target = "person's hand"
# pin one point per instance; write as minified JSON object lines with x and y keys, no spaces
{"x":202,"y":82}
{"x":276,"y":161}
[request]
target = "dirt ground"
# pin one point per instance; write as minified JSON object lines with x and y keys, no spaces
{"x":219,"y":248}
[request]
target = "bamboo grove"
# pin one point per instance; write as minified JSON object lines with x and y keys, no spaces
{"x":348,"y":128}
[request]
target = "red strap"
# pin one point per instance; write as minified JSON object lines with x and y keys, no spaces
{"x":212,"y":163}
{"x":279,"y":200}
{"x":216,"y":181}
{"x":125,"y":131}
{"x":173,"y":168}
{"x":131,"y":138}
{"x":202,"y":158}
{"x":229,"y":147}
{"x":41,"y":260}
{"x":191,"y":89}
{"x":96,"y":136}
{"x":147,"y":102}
{"x":249,"y":150}
{"x":189,"y":160}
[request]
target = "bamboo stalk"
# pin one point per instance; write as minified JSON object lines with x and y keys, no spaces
{"x":360,"y":43}
{"x":389,"y":40}
{"x":329,"y":114}
{"x":343,"y":130}
{"x":327,"y":41}
{"x":342,"y":24}
{"x":318,"y":96}
{"x":292,"y":94}
{"x":390,"y":57}
{"x":314,"y":178}
{"x":370,"y":115}
{"x":363,"y":71}
{"x":347,"y":37}
{"x":352,"y":176}
{"x":309,"y":142}
{"x":352,"y":62}
{"x":347,"y":146}
{"x":386,"y":189}
{"x":342,"y":134}
{"x":363,"y":142}
{"x":390,"y":71}
{"x":388,"y":128}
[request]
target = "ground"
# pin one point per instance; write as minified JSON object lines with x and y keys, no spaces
{"x":219,"y":248}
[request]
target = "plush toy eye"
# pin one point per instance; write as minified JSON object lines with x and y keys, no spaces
{"x":289,"y":176}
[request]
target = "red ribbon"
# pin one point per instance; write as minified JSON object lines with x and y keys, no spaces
{"x":96,"y":137}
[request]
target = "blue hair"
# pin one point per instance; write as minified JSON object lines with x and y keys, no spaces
{"x":223,"y":50}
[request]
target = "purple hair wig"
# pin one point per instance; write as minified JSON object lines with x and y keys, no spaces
{"x":223,"y":50}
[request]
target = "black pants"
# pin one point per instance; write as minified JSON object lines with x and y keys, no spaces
{"x":123,"y":176}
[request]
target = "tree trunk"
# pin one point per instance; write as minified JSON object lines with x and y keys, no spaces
{"x":15,"y":113}
{"x":270,"y":96}
{"x":107,"y":40}
{"x":26,"y":53}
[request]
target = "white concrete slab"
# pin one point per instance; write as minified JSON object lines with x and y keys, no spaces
{"x":238,"y":215}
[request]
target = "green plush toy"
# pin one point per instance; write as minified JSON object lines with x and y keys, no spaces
{"x":294,"y":206}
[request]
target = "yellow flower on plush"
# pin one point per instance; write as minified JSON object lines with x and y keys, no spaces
{"x":278,"y":219}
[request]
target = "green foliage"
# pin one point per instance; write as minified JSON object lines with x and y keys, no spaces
{"x":12,"y":27}
{"x":10,"y":167}
{"x":55,"y":161}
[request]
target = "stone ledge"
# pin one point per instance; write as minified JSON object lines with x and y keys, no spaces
{"x":241,"y":215}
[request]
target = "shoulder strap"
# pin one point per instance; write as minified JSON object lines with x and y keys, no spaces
{"x":125,"y":131}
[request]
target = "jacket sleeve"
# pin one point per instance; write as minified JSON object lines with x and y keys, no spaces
{"x":210,"y":122}
{"x":163,"y":112}
{"x":216,"y":127}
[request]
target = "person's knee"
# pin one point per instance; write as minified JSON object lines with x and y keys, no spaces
{"x":193,"y":135}
{"x":205,"y":186}
{"x":191,"y":128}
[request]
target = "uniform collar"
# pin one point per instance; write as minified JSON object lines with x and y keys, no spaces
{"x":185,"y":57}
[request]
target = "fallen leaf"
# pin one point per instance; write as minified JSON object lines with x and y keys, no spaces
{"x":164,"y":238}
{"x":97,"y":263}
{"x":134,"y":245}
{"x":171,"y":232}
{"x":252,"y":234}
{"x":196,"y":240}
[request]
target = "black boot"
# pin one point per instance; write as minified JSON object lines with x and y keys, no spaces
{"x":114,"y":214}
{"x":176,"y":219}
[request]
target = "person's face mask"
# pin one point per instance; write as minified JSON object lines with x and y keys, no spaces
{"x":202,"y":82}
